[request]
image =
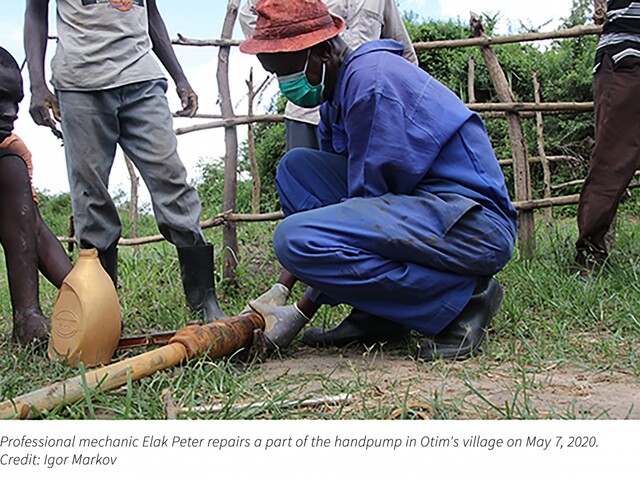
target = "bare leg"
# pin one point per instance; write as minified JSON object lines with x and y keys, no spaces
{"x":287,"y":279}
{"x":53,"y":261}
{"x":307,"y":307}
{"x":18,"y":238}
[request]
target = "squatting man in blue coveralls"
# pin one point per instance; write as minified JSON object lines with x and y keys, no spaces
{"x":403,"y":214}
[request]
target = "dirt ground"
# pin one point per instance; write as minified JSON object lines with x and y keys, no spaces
{"x":470,"y":389}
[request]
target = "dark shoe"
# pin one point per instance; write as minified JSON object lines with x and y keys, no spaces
{"x":357,"y":327}
{"x":197,"y":270}
{"x":109,"y":260}
{"x":589,"y":262}
{"x":462,"y":337}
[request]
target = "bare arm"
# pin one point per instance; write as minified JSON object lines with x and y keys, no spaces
{"x":164,"y":51}
{"x":36,"y":30}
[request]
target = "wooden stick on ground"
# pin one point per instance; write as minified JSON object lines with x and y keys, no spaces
{"x":344,"y":398}
{"x":216,"y":340}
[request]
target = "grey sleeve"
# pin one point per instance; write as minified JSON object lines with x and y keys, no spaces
{"x":248,"y":17}
{"x":394,"y":28}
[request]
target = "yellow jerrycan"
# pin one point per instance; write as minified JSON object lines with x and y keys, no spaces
{"x":86,"y":321}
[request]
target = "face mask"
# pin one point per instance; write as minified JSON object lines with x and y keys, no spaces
{"x":297,"y":89}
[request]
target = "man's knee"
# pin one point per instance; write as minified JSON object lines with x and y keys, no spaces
{"x":14,"y":175}
{"x":292,"y":164}
{"x":291,"y":242}
{"x":281,"y":245}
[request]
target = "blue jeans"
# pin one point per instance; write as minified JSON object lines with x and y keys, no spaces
{"x":136,"y":117}
{"x":413,"y":259}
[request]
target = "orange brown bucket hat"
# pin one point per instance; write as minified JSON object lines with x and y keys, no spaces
{"x":291,"y":26}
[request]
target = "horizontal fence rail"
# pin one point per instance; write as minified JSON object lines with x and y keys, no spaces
{"x":487,"y":110}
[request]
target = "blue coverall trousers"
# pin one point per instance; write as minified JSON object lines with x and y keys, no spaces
{"x":400,"y":257}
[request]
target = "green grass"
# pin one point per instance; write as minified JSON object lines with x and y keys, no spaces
{"x":550,"y":316}
{"x":549,"y":321}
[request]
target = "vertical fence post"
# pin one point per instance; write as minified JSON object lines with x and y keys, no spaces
{"x":471,"y":81}
{"x":546,"y":170}
{"x":521,"y":173}
{"x":229,"y":202}
{"x":251,"y":144}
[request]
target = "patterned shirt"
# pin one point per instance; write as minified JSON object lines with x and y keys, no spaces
{"x":102,"y":44}
{"x":621,"y":32}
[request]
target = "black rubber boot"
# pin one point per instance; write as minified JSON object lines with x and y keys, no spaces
{"x":109,"y":260}
{"x":357,"y":327}
{"x":462,"y":337}
{"x":197,"y":269}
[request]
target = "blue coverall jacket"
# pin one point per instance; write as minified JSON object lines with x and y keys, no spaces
{"x":406,"y":204}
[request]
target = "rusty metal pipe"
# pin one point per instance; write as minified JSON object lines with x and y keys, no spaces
{"x":146,"y":340}
{"x":216,"y":340}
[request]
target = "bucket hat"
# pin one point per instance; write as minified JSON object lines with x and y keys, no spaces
{"x":290,"y":26}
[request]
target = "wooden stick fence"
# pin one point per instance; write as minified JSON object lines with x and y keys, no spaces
{"x":487,"y":41}
{"x":543,"y":156}
{"x":230,"y":234}
{"x":521,"y":172}
{"x":507,"y":108}
{"x":550,"y":108}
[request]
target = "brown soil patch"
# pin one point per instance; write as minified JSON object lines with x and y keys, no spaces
{"x":469,"y":389}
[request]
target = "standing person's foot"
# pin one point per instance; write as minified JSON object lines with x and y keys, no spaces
{"x":464,"y":335}
{"x":30,"y":327}
{"x":588,"y":263}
